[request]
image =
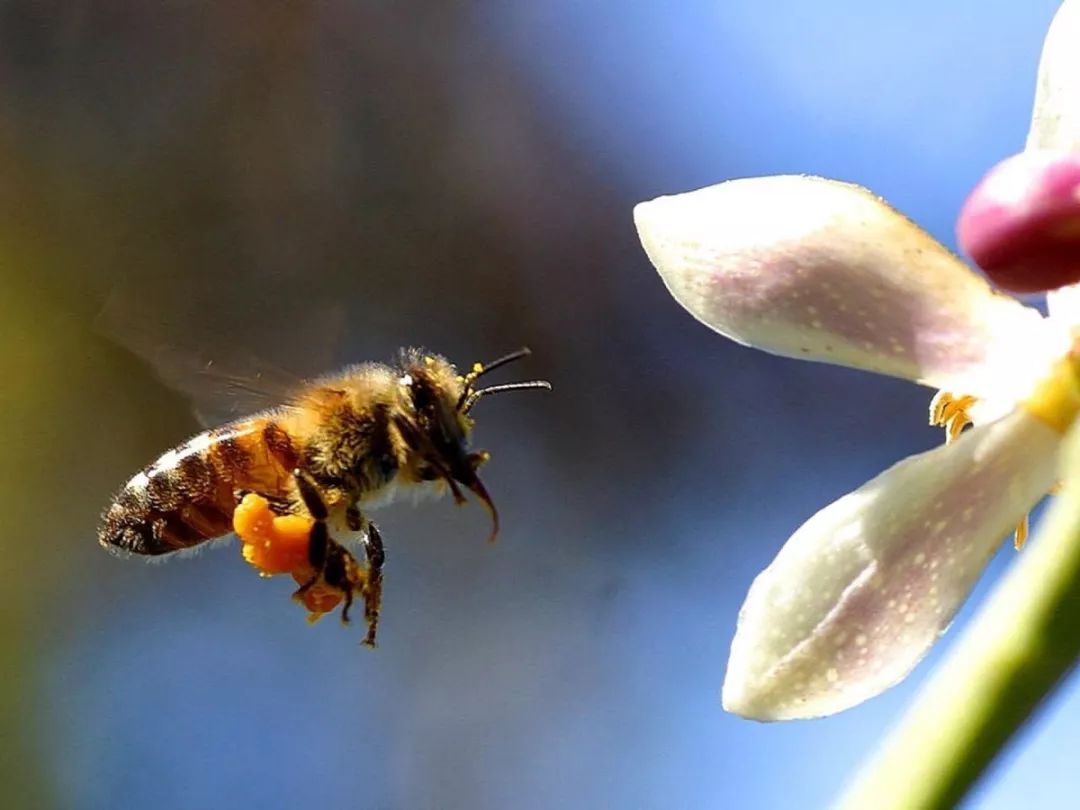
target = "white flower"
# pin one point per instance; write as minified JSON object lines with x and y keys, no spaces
{"x":822,"y":270}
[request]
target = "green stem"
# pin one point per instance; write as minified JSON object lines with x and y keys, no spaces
{"x":1016,"y":652}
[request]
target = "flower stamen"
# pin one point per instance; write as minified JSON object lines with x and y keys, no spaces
{"x":1056,"y":402}
{"x":951,"y":412}
{"x":1021,"y":533}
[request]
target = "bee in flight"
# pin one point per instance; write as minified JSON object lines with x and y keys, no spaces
{"x":290,"y":480}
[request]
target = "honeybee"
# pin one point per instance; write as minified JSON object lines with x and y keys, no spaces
{"x":341,"y":445}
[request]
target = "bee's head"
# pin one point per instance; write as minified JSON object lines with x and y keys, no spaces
{"x":441,"y":400}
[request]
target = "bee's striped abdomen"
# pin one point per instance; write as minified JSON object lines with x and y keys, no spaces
{"x":188,"y":495}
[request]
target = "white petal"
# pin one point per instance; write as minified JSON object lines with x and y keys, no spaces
{"x":1064,"y":305}
{"x":814,"y":268}
{"x":859,"y":593}
{"x":1055,"y":121}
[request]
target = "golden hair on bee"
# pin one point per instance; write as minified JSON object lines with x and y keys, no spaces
{"x":341,"y":445}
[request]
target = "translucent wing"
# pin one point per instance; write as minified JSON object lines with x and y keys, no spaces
{"x":197,"y":359}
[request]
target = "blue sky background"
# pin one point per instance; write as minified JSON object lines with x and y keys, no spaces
{"x":579,"y":662}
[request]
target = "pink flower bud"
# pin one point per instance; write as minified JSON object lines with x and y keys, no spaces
{"x":1021,"y":224}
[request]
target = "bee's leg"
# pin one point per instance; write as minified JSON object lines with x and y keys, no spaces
{"x":343,"y":573}
{"x":310,"y":494}
{"x":319,"y":540}
{"x":372,"y":587}
{"x":319,"y":544}
{"x":373,"y":546}
{"x":354,"y":519}
{"x":348,"y":606}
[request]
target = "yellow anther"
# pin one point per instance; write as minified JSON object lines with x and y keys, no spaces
{"x":937,"y":406}
{"x":1021,"y":534}
{"x":958,"y":407}
{"x":951,"y":412}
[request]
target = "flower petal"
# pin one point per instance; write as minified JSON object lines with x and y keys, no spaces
{"x":1055,"y":120}
{"x":1064,"y":305}
{"x":859,"y":593}
{"x":823,"y":270}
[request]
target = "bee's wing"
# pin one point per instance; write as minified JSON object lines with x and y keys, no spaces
{"x":224,"y":389}
{"x":223,"y":382}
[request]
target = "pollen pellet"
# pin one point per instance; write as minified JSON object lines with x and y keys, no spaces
{"x":278,"y":544}
{"x":275,"y":544}
{"x":318,"y":599}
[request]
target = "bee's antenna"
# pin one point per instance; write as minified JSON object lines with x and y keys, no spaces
{"x":480,"y":369}
{"x":495,"y":389}
{"x":524,"y":351}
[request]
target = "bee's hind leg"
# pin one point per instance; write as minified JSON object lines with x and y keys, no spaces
{"x":334,"y":564}
{"x":373,"y":547}
{"x":319,"y":539}
{"x":343,"y":573}
{"x":373,"y":576}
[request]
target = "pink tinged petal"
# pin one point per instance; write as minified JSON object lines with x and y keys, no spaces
{"x":859,"y":593}
{"x":823,"y":270}
{"x":1055,"y":120}
{"x":1021,"y":224}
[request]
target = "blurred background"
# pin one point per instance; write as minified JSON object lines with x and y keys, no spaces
{"x":319,"y":184}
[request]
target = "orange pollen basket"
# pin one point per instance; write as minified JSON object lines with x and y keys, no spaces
{"x":278,"y":544}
